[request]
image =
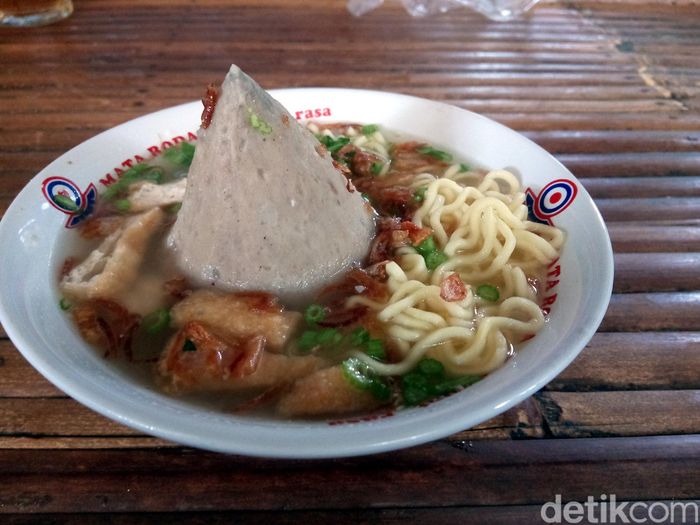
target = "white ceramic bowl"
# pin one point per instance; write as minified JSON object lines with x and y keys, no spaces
{"x":35,"y":241}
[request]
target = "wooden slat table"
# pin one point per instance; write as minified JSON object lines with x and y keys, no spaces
{"x":611,"y":89}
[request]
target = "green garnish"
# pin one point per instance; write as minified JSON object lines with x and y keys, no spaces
{"x":324,"y":337}
{"x":488,"y":292}
{"x":140,"y":172}
{"x":431,"y":367}
{"x":433,"y":257}
{"x":375,"y":349}
{"x":428,"y":380}
{"x":435,"y":153}
{"x":314,"y":313}
{"x":368,"y":129}
{"x":181,"y":154}
{"x":419,"y":194}
{"x":376,"y":168}
{"x":360,"y":375}
{"x":427,"y":246}
{"x":157,"y":321}
{"x":359,"y":336}
{"x":64,"y":304}
{"x":122,"y":205}
{"x":308,"y":340}
{"x":329,"y":336}
{"x":463,"y":167}
{"x":450,"y":385}
{"x":65,"y":202}
{"x":333,"y":144}
{"x":189,"y":346}
{"x":259,"y":124}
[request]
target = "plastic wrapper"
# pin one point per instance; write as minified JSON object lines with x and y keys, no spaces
{"x":493,"y":9}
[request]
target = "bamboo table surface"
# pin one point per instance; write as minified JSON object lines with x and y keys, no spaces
{"x":610,"y":89}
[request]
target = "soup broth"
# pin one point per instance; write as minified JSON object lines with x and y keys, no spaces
{"x":448,"y":291}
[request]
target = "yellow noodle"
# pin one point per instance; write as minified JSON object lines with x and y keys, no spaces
{"x":481,"y":225}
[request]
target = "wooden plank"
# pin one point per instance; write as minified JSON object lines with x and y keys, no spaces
{"x":522,"y":421}
{"x":612,"y":141}
{"x":639,"y":187}
{"x":650,"y":412}
{"x":634,"y":238}
{"x":596,"y":121}
{"x":634,"y":361}
{"x":55,"y":417}
{"x":466,"y":474}
{"x":654,"y":164}
{"x":655,"y":208}
{"x":49,"y":421}
{"x":505,"y":515}
{"x":643,"y":312}
{"x":82,"y":442}
{"x":656,"y":272}
{"x":18,"y":378}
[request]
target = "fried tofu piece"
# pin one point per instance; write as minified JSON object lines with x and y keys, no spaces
{"x":325,"y":392}
{"x":114,"y":265}
{"x":238,"y":315}
{"x":199,"y":360}
{"x":148,"y":195}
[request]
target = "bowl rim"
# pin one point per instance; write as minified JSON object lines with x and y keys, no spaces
{"x":408,"y":434}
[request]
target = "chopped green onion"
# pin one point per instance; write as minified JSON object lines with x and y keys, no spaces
{"x":181,"y":154}
{"x":140,"y":172}
{"x":427,"y":380}
{"x":122,"y":205}
{"x":463,"y":167}
{"x":360,"y":375}
{"x":435,"y":153}
{"x":375,"y":349}
{"x":415,"y":379}
{"x":419,"y":194}
{"x":364,"y":196}
{"x":376,"y":168}
{"x":308,"y":340}
{"x":329,"y":336}
{"x":333,"y":144}
{"x":415,"y":395}
{"x":431,"y":367}
{"x":427,"y":246}
{"x":157,"y":321}
{"x":488,"y":292}
{"x":435,"y":259}
{"x":189,"y":346}
{"x":357,"y":372}
{"x":65,"y":202}
{"x":380,"y":390}
{"x":259,"y":124}
{"x":314,"y":313}
{"x":450,"y":385}
{"x":359,"y":336}
{"x":64,"y":304}
{"x":368,"y":129}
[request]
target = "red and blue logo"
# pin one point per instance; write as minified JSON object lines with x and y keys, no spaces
{"x":553,"y":199}
{"x":66,"y":197}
